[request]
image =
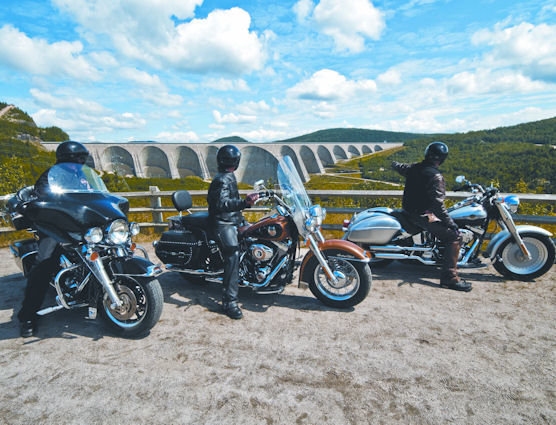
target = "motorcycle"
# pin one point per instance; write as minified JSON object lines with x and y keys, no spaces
{"x":98,"y":267}
{"x":336,"y":271}
{"x":519,"y":252}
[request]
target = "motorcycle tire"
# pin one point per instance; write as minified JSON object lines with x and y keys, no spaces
{"x":333,"y":296}
{"x":511,"y":263}
{"x":143,"y":302}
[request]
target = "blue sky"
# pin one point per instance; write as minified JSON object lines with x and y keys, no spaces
{"x":195,"y":71}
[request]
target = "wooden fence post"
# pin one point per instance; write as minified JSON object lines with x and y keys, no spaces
{"x":156,"y":203}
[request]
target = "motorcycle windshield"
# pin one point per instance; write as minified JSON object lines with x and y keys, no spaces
{"x":293,"y":193}
{"x":70,"y":177}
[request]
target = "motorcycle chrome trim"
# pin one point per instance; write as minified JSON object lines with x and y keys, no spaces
{"x":173,"y":268}
{"x":144,"y":251}
{"x":99,"y":271}
{"x":394,"y":256}
{"x":510,"y":225}
{"x":469,"y":253}
{"x":494,"y":244}
{"x":322,"y":260}
{"x":397,"y":248}
{"x":271,"y":276}
{"x":56,"y":285}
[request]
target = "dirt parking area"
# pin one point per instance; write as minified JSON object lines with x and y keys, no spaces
{"x":411,"y":353}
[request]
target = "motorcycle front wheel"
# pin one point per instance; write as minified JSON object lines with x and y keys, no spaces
{"x":142,"y":306}
{"x":353,"y":282}
{"x":511,"y":262}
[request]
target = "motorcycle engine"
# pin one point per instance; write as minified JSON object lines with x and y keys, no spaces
{"x":466,"y":236}
{"x":260,"y":252}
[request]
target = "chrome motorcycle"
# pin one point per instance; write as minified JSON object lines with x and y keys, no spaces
{"x":98,"y":267}
{"x":521,"y":252}
{"x":336,"y":271}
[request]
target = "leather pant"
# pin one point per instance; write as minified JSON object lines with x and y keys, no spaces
{"x":450,"y":237}
{"x":226,"y":236}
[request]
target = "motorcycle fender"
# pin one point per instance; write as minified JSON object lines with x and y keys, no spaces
{"x":499,"y":238}
{"x":339,"y":247}
{"x":134,"y":266}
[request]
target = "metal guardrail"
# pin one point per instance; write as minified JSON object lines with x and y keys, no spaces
{"x":157,"y":210}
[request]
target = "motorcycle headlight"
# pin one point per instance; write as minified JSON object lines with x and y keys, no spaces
{"x":134,"y":229}
{"x":93,"y":235}
{"x":118,"y":232}
{"x":317,"y":213}
{"x":511,"y":202}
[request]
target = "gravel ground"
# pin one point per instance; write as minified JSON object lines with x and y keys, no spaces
{"x":411,"y":353}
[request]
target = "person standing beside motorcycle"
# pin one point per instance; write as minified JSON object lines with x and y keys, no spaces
{"x":72,"y":153}
{"x":423,"y":200}
{"x":225,"y":205}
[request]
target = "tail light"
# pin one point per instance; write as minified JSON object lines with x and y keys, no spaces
{"x":345,"y":225}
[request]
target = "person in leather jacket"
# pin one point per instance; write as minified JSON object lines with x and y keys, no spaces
{"x":46,"y":262}
{"x":423,"y":201}
{"x":225,"y":205}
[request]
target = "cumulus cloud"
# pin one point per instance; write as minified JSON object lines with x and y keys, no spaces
{"x":302,"y":9}
{"x":225,"y":84}
{"x":484,"y":81}
{"x":232,"y":118}
{"x":37,"y":56}
{"x":262,"y":135}
{"x":348,"y":22}
{"x":252,"y":107}
{"x":526,"y":47}
{"x":146,"y":31}
{"x":178,"y":136}
{"x":390,"y":77}
{"x":329,"y":85}
{"x":70,"y":103}
{"x":151,"y":88}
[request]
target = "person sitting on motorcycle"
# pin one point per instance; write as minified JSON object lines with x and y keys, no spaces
{"x":423,"y":200}
{"x":225,"y":205}
{"x":72,"y":153}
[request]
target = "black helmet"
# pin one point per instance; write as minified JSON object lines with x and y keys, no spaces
{"x":228,"y":157}
{"x":71,"y":152}
{"x":436,"y":152}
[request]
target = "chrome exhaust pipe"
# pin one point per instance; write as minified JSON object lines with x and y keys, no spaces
{"x":394,"y":256}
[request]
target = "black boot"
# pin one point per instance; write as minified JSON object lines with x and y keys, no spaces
{"x":232,"y":310}
{"x":28,"y":328}
{"x":449,"y":277}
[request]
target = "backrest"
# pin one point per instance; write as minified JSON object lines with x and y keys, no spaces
{"x":182,"y":200}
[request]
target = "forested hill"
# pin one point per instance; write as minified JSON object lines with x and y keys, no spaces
{"x":353,"y":135}
{"x":519,"y":158}
{"x":22,"y":157}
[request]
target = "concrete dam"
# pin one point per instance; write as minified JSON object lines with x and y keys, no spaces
{"x":258,"y":160}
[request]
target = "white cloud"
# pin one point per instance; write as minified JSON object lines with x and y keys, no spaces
{"x":526,"y":47}
{"x":161,"y":98}
{"x":329,"y":85}
{"x":261,"y":135}
{"x":179,"y":136}
{"x":390,"y":77}
{"x":141,"y":77}
{"x":348,"y":22}
{"x":225,"y":84}
{"x":324,"y":110}
{"x":487,"y":81}
{"x":152,"y":89}
{"x":302,"y":9}
{"x":37,"y":56}
{"x":232,"y":118}
{"x":252,"y":107}
{"x":71,"y":103}
{"x":82,"y":123}
{"x":145,"y":31}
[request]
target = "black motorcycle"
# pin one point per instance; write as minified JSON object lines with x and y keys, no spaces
{"x":98,"y":268}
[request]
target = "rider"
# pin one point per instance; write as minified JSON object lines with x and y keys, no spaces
{"x":423,"y":200}
{"x":73,"y":154}
{"x":225,"y":205}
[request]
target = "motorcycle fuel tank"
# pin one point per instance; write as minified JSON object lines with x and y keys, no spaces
{"x":375,"y":228}
{"x":468,"y":214}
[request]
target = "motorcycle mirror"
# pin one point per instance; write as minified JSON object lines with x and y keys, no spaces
{"x":259,"y":185}
{"x":460,"y":179}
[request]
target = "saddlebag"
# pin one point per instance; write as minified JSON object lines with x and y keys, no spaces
{"x":25,"y":251}
{"x":180,"y":248}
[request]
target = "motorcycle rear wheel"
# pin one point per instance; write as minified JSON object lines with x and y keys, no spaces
{"x":511,"y":263}
{"x":142,"y":306}
{"x":350,"y":290}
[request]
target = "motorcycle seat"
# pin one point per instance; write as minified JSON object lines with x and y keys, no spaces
{"x":405,"y":220}
{"x":199,"y":220}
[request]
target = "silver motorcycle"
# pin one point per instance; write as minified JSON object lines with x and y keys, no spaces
{"x":519,"y":252}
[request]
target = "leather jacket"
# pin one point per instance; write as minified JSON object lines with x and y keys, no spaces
{"x":425,"y":190}
{"x":224,"y":203}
